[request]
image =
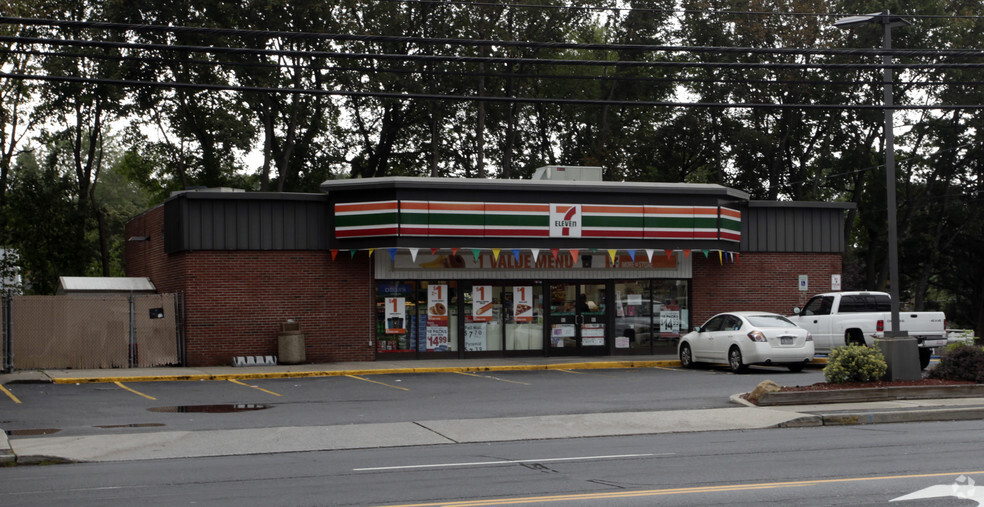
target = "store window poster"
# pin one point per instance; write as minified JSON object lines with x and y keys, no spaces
{"x":437,"y":318}
{"x":523,"y":303}
{"x":482,"y":303}
{"x":396,"y":315}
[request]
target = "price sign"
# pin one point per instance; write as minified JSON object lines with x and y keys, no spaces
{"x":669,"y":322}
{"x":474,"y":336}
{"x":482,"y":303}
{"x":523,"y":303}
{"x":395,"y":311}
{"x":437,"y":338}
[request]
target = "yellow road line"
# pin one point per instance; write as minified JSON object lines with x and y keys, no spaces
{"x":134,"y":391}
{"x":493,"y":378}
{"x":677,"y":491}
{"x":234,"y":381}
{"x":374,"y":382}
{"x":8,"y":393}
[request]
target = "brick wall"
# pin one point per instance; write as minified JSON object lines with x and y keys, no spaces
{"x":758,"y":281}
{"x":235,"y":301}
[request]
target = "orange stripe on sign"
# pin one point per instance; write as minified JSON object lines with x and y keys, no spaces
{"x":414,"y":205}
{"x":365,"y":206}
{"x":669,"y":210}
{"x":457,"y":206}
{"x":730,"y":213}
{"x":588,"y":208}
{"x":519,"y":208}
{"x":703,"y":210}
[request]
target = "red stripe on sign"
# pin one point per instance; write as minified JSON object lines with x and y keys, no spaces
{"x":385,"y":231}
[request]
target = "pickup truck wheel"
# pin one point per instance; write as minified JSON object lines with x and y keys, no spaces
{"x":735,"y":360}
{"x":925,"y":355}
{"x":854,"y":337}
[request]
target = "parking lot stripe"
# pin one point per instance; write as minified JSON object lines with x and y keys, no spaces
{"x":234,"y":381}
{"x":374,"y":382}
{"x":8,"y":393}
{"x":491,"y":377}
{"x":134,"y":391}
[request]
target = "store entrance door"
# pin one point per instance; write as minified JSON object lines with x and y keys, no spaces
{"x":578,"y":319}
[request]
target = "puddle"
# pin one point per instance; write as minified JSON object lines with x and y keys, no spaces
{"x":32,"y":433}
{"x":212,"y":409}
{"x":135,"y":425}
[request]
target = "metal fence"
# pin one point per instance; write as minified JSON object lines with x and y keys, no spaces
{"x":92,"y":332}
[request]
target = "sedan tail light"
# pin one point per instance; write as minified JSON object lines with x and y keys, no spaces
{"x":809,"y":337}
{"x":756,"y":336}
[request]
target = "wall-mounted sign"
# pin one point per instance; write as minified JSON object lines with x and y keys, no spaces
{"x":565,"y":221}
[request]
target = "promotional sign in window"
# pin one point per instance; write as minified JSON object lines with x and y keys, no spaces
{"x":482,"y":303}
{"x":437,"y":318}
{"x":669,"y":320}
{"x":475,"y":336}
{"x":396,"y":315}
{"x":523,"y":303}
{"x":593,"y":335}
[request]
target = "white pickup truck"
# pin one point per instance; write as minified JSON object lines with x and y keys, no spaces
{"x":841,"y":318}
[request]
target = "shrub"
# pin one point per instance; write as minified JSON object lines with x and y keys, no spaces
{"x":960,"y":362}
{"x":855,"y":363}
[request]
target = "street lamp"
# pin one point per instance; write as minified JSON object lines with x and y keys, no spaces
{"x":901,"y":351}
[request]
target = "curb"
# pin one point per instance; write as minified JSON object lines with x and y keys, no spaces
{"x":388,"y":371}
{"x":924,"y":415}
{"x":862,"y":395}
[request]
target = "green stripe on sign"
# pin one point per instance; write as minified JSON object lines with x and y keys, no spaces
{"x":658,"y":222}
{"x":518,"y":220}
{"x":363,"y":220}
{"x":410,"y":218}
{"x":636,"y":222}
{"x":456,"y":219}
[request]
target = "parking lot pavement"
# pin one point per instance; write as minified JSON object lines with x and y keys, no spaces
{"x":421,"y":431}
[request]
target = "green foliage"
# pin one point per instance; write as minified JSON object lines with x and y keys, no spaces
{"x":855,"y":363}
{"x":960,"y":362}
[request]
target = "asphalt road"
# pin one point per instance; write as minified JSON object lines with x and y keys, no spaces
{"x":842,"y":465}
{"x":87,"y":409}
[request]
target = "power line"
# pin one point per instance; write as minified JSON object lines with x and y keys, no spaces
{"x":478,"y":59}
{"x":472,"y":98}
{"x":504,"y":75}
{"x":267,"y":34}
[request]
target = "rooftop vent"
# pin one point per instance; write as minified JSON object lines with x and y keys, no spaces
{"x":568,"y":173}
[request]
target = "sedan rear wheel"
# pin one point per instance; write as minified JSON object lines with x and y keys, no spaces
{"x":686,"y":356}
{"x":735,"y":360}
{"x":796,"y":367}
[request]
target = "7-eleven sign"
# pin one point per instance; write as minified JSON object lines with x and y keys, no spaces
{"x":565,"y":220}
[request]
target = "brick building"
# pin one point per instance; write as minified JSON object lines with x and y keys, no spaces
{"x":451,"y":268}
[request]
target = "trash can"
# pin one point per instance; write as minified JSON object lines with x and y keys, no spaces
{"x":290,"y":343}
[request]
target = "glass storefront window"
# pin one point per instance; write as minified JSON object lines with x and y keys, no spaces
{"x":634,"y":327}
{"x":437,"y":304}
{"x":523,"y":316}
{"x":396,"y":317}
{"x":483,"y":316}
{"x":671,"y":314}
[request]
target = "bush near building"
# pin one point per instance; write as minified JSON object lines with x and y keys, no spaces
{"x":855,"y":363}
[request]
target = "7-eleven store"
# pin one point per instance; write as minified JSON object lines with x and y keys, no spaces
{"x":454,"y":268}
{"x":466,"y":268}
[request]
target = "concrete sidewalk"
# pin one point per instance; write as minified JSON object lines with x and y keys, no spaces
{"x":176,"y":444}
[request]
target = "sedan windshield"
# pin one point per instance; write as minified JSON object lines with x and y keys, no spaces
{"x":770,"y":321}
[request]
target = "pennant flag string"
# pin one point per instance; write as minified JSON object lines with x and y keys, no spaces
{"x":392,"y":254}
{"x":476,"y":252}
{"x":334,"y":253}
